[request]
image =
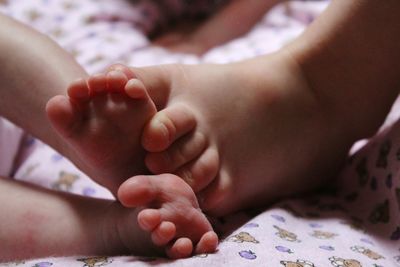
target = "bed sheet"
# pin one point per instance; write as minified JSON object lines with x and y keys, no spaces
{"x":321,"y":230}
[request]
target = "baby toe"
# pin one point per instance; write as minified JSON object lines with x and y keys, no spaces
{"x":163,"y":233}
{"x":149,"y":219}
{"x":116,"y":81}
{"x":182,"y":248}
{"x":181,"y":152}
{"x":64,"y":116}
{"x":138,"y":191}
{"x":201,"y":171}
{"x":167,"y":126}
{"x":135,"y":89}
{"x":78,"y":91}
{"x":207,"y":244}
{"x":97,"y":84}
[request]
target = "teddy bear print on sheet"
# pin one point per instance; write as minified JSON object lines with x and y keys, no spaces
{"x":322,"y":230}
{"x":359,"y":226}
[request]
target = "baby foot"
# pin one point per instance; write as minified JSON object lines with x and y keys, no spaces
{"x":176,"y":146}
{"x":241,"y":135}
{"x":102,"y":119}
{"x":171,"y":215}
{"x":171,"y":138}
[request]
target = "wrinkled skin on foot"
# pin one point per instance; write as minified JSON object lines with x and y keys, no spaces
{"x":169,"y":212}
{"x":102,"y":119}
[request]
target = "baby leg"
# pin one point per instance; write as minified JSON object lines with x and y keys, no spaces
{"x":37,"y":222}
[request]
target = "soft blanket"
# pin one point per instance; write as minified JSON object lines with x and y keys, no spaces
{"x":357,"y":226}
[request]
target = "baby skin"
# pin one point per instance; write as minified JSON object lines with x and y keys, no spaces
{"x":68,"y":224}
{"x":241,"y":135}
{"x":169,"y":211}
{"x":102,"y":119}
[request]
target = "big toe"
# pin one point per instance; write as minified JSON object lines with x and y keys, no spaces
{"x":207,"y":244}
{"x":138,"y":191}
{"x":167,"y":126}
{"x":63,"y":115}
{"x":143,"y":190}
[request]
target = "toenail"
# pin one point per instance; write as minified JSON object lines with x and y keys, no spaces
{"x":135,"y":83}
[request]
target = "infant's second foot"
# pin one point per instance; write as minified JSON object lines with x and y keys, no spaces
{"x":171,"y":215}
{"x":242,"y":135}
{"x":102,"y":119}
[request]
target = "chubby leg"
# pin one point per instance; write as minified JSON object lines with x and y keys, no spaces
{"x":102,"y":120}
{"x":32,"y":73}
{"x":37,"y":222}
{"x":280,"y":124}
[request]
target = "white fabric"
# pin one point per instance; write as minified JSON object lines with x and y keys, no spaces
{"x":10,"y":138}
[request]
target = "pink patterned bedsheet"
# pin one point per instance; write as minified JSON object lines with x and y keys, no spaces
{"x":322,"y":230}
